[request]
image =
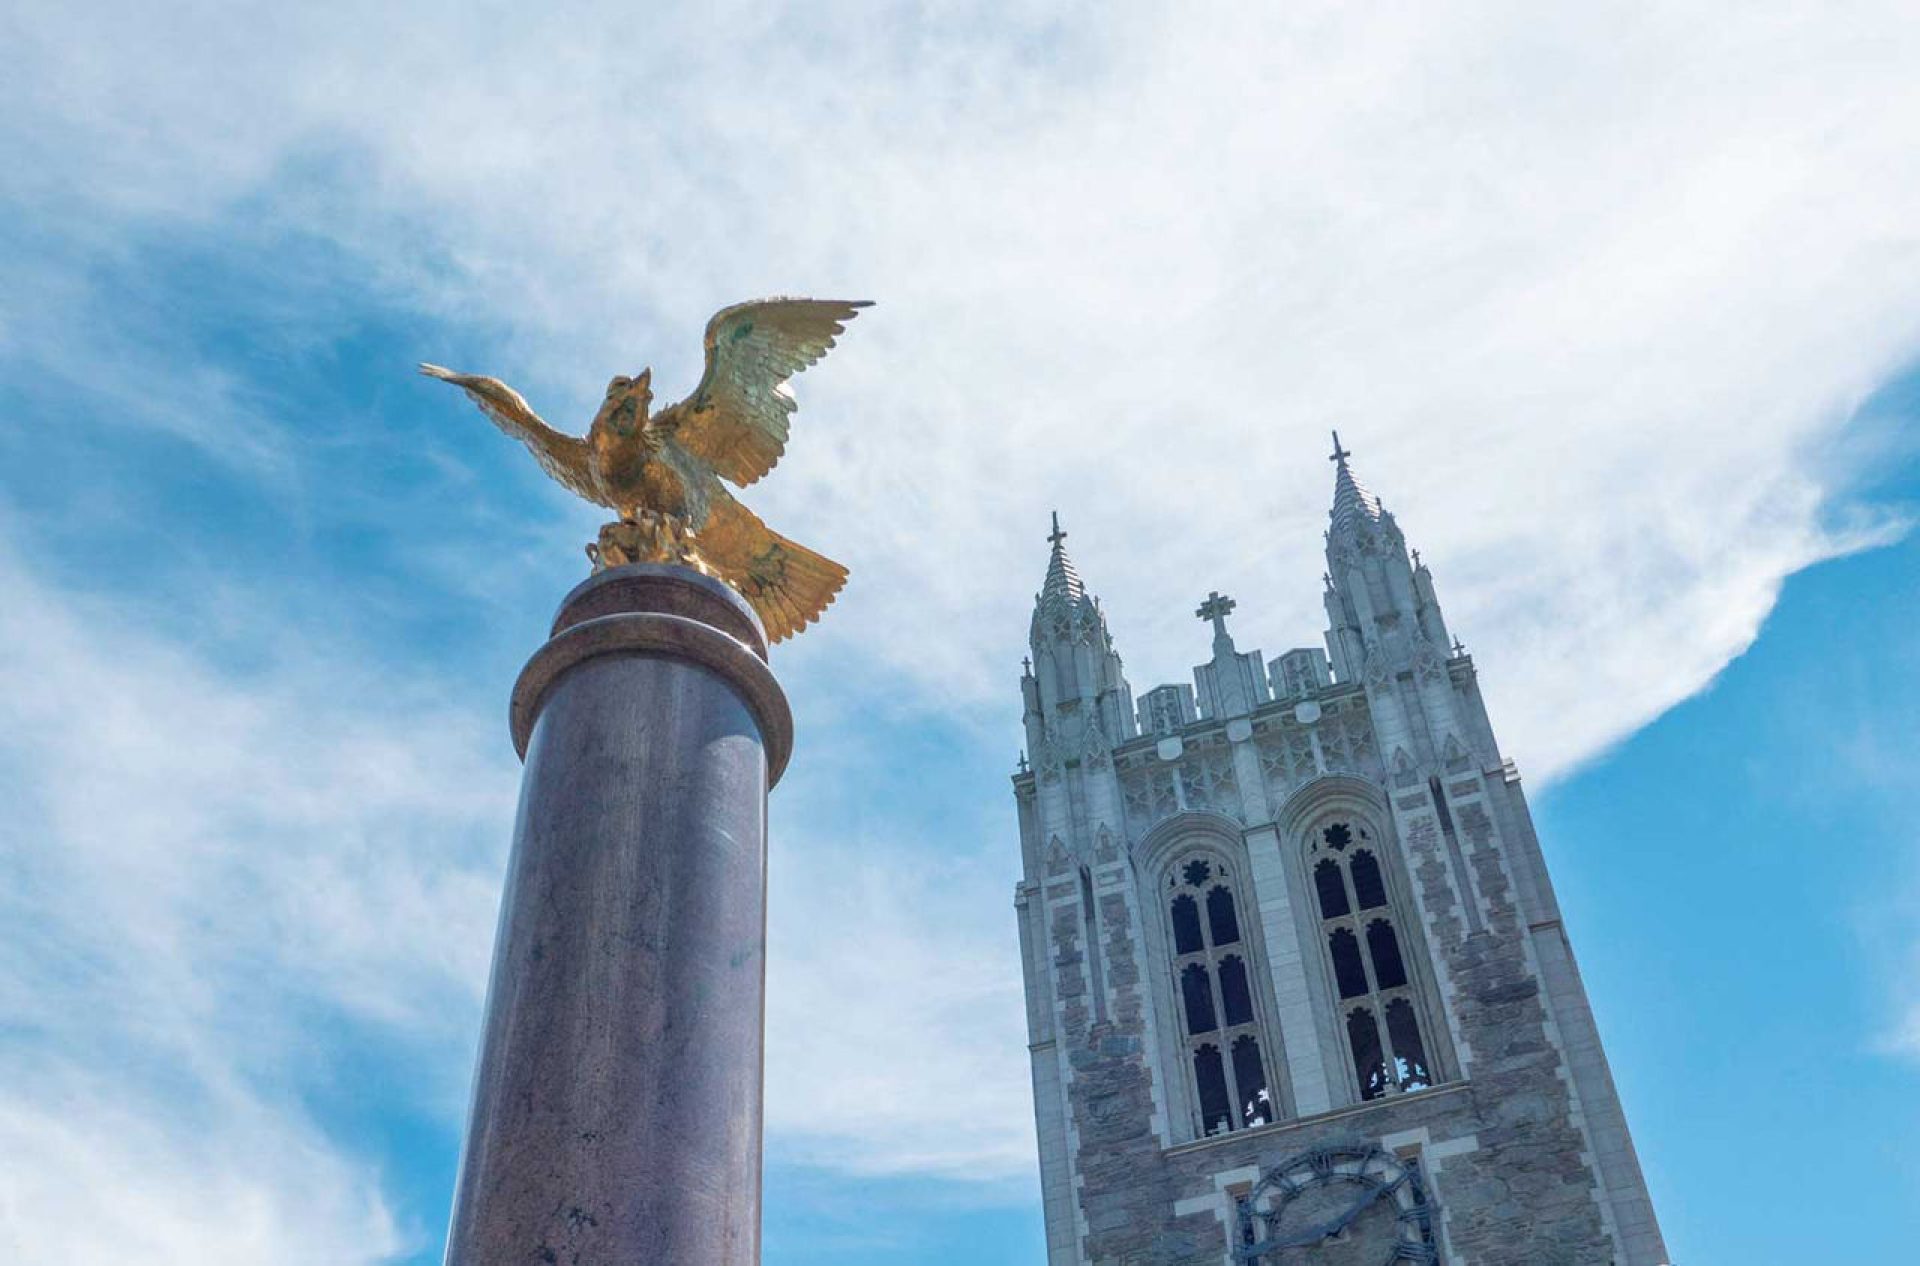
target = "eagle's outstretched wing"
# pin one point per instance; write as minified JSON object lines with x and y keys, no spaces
{"x":788,"y":584}
{"x":736,"y":419}
{"x":560,"y":455}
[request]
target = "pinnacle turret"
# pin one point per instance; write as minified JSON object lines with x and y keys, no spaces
{"x":1075,"y":684}
{"x":1383,"y":617}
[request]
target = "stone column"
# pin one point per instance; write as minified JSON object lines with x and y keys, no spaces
{"x":616,"y":1108}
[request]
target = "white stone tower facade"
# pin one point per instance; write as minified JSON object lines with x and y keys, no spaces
{"x":1297,"y":985}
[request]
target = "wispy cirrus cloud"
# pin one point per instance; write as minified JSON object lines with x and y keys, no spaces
{"x":206,"y":869}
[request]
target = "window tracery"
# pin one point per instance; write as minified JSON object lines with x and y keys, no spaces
{"x":1215,"y":987}
{"x":1379,"y":1008}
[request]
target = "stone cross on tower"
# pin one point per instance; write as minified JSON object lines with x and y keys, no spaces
{"x":1339,"y":454}
{"x":1217,"y":608}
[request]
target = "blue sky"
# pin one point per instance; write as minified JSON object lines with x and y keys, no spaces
{"x":1618,"y":313}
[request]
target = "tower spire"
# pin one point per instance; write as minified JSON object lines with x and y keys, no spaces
{"x":1352,"y":503}
{"x":1062,"y":587}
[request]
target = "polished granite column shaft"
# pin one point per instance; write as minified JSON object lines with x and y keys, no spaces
{"x":616,"y":1110}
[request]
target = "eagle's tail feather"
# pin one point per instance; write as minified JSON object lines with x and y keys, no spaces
{"x":787,"y":584}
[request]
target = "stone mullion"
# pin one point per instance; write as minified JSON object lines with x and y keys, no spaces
{"x":1228,"y":1037}
{"x":1211,"y":955}
{"x":1233,"y":1083}
{"x":1353,"y":917}
{"x":1386,"y":1034}
{"x":1180,"y":965}
{"x":1379,"y":1014}
{"x":1190,"y":1041}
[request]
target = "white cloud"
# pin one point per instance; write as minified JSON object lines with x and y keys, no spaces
{"x":95,"y":1175}
{"x":211,"y":877}
{"x":1584,"y":288}
{"x":1587,"y":289}
{"x":895,"y":1029}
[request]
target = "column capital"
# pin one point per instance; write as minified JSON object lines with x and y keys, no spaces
{"x":662,"y":611}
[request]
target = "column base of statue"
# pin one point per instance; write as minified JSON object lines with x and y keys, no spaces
{"x":616,"y":1111}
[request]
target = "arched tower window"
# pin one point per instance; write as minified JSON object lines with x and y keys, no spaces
{"x":1380,"y":1012}
{"x":1214,"y":995}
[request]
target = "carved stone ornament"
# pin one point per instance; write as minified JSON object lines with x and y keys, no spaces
{"x":1377,"y":674}
{"x":1342,"y":1201}
{"x":1404,"y":773}
{"x":1047,"y":757}
{"x":1427,"y":663}
{"x":1094,"y":749}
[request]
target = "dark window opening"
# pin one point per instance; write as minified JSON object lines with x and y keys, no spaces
{"x":1333,"y":892}
{"x":1256,"y":1108}
{"x":1196,"y":872}
{"x":1368,"y":1067}
{"x":1235,"y":999}
{"x":1338,"y":836}
{"x":1409,"y":1054}
{"x":1092,"y":921}
{"x":1220,"y":917}
{"x":1197,"y":991}
{"x":1368,"y":888}
{"x":1440,"y":806}
{"x":1216,"y":1112}
{"x":1347,"y":969}
{"x":1388,"y":971}
{"x":1186,"y":925}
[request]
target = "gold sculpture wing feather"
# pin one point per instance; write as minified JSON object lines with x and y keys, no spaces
{"x":560,"y":455}
{"x":736,"y":419}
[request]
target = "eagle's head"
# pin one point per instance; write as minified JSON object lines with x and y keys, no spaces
{"x":628,"y":400}
{"x":641,"y":387}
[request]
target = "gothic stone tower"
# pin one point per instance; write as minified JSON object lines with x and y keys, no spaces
{"x":1297,"y":985}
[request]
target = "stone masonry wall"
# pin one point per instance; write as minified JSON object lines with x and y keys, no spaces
{"x":1503,"y":1152}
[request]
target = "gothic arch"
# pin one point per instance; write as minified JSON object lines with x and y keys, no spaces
{"x":1183,"y":829}
{"x":1218,"y":953}
{"x":1382,"y":1026}
{"x":1329,"y":792}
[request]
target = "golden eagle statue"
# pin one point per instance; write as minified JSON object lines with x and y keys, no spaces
{"x":661,"y":472}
